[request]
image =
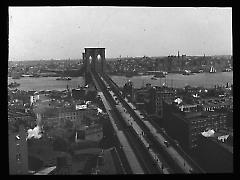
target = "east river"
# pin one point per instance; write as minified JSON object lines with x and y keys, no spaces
{"x":207,"y":80}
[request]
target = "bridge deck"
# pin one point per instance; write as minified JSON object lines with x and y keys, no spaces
{"x":131,"y":157}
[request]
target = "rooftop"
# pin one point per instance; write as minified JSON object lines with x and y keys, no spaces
{"x":94,"y":48}
{"x":222,"y":138}
{"x":45,"y":171}
{"x":216,"y":101}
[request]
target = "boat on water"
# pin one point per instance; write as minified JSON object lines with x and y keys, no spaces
{"x":160,"y":75}
{"x":227,"y":70}
{"x":64,"y":78}
{"x":13,"y":85}
{"x":212,"y":70}
{"x":187,"y":72}
{"x":27,"y":75}
{"x":140,"y":73}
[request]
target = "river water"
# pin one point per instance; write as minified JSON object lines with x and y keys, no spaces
{"x":207,"y":80}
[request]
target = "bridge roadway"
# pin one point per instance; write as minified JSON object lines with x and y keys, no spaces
{"x":159,"y":160}
{"x":183,"y":159}
{"x":133,"y":153}
{"x":177,"y":162}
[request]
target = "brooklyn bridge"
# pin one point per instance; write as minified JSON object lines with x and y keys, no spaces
{"x":143,"y":147}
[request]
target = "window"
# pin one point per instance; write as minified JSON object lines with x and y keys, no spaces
{"x":18,"y":157}
{"x":18,"y":146}
{"x":98,"y":57}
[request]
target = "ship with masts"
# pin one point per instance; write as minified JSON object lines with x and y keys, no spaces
{"x":212,"y":70}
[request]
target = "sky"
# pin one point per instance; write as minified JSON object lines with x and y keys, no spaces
{"x":63,"y":32}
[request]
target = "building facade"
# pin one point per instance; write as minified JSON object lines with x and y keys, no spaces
{"x":18,"y":151}
{"x":185,"y":122}
{"x":34,"y":98}
{"x":161,"y":95}
{"x":153,"y":98}
{"x":215,"y":155}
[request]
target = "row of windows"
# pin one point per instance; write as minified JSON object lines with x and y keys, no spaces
{"x":18,"y":158}
{"x":210,"y":120}
{"x":70,"y":117}
{"x":193,"y":146}
{"x":71,"y":113}
{"x":203,"y":124}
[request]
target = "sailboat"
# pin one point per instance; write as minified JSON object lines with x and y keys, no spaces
{"x":212,"y":70}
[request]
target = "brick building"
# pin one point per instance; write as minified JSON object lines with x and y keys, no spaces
{"x":79,"y":115}
{"x":184,"y":122}
{"x":153,"y":98}
{"x":215,"y":152}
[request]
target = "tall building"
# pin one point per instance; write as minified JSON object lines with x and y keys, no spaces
{"x":18,"y":152}
{"x":128,"y":89}
{"x":153,"y":98}
{"x":34,"y":97}
{"x":163,"y":93}
{"x":215,"y":152}
{"x":184,"y":122}
{"x":146,"y":96}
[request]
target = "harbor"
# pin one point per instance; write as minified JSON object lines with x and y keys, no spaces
{"x":207,"y":80}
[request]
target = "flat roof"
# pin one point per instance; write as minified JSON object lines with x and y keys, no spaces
{"x":94,"y":48}
{"x":225,"y":146}
{"x":45,"y":171}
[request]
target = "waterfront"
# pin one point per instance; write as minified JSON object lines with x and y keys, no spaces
{"x":207,"y":80}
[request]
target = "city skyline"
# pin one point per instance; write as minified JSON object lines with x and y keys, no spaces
{"x":37,"y":33}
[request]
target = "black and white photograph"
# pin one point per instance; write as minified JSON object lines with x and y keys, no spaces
{"x":114,"y":90}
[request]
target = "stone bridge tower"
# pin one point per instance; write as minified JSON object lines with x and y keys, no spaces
{"x":94,"y":61}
